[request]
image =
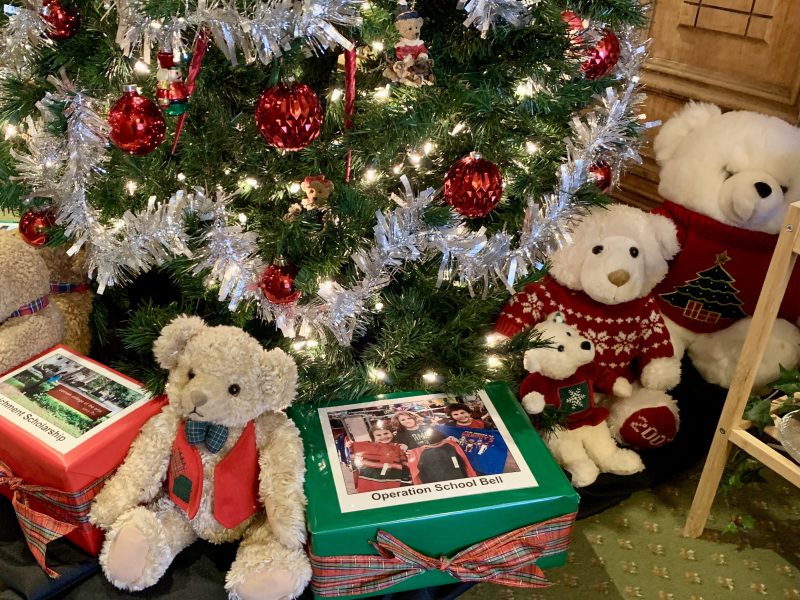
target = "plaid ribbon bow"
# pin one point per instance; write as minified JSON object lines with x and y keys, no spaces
{"x":214,"y":436}
{"x":508,"y":559}
{"x":67,"y":511}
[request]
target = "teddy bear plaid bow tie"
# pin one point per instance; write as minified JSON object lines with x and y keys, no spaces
{"x":214,"y":436}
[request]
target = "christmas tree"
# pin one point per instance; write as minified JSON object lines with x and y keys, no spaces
{"x":710,"y":296}
{"x":321,"y":172}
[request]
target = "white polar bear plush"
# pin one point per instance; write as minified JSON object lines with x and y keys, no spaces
{"x":563,"y":375}
{"x":602,"y":282}
{"x":727,"y":180}
{"x":209,"y":464}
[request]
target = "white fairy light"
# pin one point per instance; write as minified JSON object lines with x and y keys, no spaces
{"x":383,"y":93}
{"x":370,"y":175}
{"x":181,"y":177}
{"x":492,"y":339}
{"x":459,"y":127}
{"x":531,"y":147}
{"x":242,"y":218}
{"x":430,"y":376}
{"x":397,"y":169}
{"x":141,"y":68}
{"x":428,"y":147}
{"x":414,"y":158}
{"x":294,"y":187}
{"x":298,"y":345}
{"x":377,"y":374}
{"x":336,"y":95}
{"x":493,"y":361}
{"x":378,"y":306}
{"x":131,"y":186}
{"x":10,"y":131}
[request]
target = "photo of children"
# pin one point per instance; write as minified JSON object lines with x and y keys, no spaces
{"x":435,"y":445}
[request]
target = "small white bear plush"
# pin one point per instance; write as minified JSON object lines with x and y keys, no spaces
{"x":727,"y":180}
{"x":563,"y":375}
{"x":603,"y":283}
{"x":218,"y":454}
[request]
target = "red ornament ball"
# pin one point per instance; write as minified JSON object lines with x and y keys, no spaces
{"x":573,"y":21}
{"x":64,"y":21}
{"x":277,"y":284}
{"x":137,"y":125}
{"x":473,"y":186}
{"x":601,"y":175}
{"x":33,"y":225}
{"x":289,"y":116}
{"x":603,"y":57}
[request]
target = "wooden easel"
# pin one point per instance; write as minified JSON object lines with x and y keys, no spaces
{"x":730,"y":429}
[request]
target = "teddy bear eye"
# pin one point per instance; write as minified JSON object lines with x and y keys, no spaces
{"x":569,"y":334}
{"x":560,"y":348}
{"x":190,"y":374}
{"x":234,"y":389}
{"x":784,"y":189}
{"x":597,"y":250}
{"x":634,"y":251}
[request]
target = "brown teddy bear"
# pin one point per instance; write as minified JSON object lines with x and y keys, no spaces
{"x":29,"y":323}
{"x":69,"y":290}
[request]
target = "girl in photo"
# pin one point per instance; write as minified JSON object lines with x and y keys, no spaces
{"x":412,"y":432}
{"x":380,"y":464}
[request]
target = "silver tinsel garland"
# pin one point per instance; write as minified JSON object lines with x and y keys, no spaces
{"x":63,"y":169}
{"x":485,"y":14}
{"x":21,"y":37}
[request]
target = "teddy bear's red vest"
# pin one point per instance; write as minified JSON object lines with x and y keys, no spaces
{"x":235,"y":479}
{"x":717,"y":276}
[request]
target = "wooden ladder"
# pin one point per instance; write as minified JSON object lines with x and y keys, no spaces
{"x":730,"y":429}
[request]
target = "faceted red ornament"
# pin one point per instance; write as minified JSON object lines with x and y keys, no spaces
{"x":289,"y":116}
{"x":33,"y":226}
{"x":603,"y":57}
{"x":277,"y":284}
{"x":600,"y":174}
{"x":573,"y":21}
{"x":473,"y":186}
{"x":137,"y":125}
{"x":64,"y":21}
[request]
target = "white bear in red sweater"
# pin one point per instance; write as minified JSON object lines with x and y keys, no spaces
{"x":602,"y":282}
{"x":727,"y":181}
{"x":563,"y":375}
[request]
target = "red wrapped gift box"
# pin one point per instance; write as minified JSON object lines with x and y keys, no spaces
{"x":52,"y":487}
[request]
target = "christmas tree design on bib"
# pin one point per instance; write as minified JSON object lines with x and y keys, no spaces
{"x":575,"y":397}
{"x":710,"y":296}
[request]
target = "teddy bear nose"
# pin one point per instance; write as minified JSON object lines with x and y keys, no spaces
{"x":763,"y":189}
{"x":198,"y":398}
{"x":586,"y":345}
{"x":619,"y":277}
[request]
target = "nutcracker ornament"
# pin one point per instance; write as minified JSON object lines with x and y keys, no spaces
{"x":318,"y":189}
{"x":413,"y":65}
{"x":171,"y":92}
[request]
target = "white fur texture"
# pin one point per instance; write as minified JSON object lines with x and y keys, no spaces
{"x":711,"y":162}
{"x":204,"y":363}
{"x":618,"y":254}
{"x":24,"y":277}
{"x":587,"y":451}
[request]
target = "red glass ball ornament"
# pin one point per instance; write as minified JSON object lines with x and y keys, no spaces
{"x":289,"y":116}
{"x":600,"y":174}
{"x":64,"y":21}
{"x":33,"y":226}
{"x":137,"y":125}
{"x":603,"y":57}
{"x":473,"y":186}
{"x":277,"y":284}
{"x":573,"y":21}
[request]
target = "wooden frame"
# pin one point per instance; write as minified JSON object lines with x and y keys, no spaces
{"x":731,"y":427}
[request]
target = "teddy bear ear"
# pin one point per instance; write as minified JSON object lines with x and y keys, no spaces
{"x":279,"y":378}
{"x":174,"y":337}
{"x":666,"y":235}
{"x":556,"y":317}
{"x":690,"y":117}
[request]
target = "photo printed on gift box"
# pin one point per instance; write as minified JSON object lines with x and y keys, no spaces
{"x":419,"y":448}
{"x":63,"y":399}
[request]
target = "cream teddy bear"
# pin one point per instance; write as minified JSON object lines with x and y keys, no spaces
{"x":602,"y":282}
{"x":29,"y":323}
{"x":564,"y":376}
{"x":220,"y":452}
{"x":727,"y":180}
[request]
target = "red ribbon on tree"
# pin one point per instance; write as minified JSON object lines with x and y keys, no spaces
{"x":508,"y":559}
{"x":200,"y":47}
{"x":67,"y":511}
{"x":349,"y":101}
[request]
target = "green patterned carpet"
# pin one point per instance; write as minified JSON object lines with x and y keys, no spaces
{"x":636,"y":550}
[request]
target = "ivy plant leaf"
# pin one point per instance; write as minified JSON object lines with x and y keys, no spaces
{"x":758,"y":412}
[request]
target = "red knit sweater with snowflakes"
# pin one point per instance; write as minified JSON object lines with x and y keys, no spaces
{"x":626,"y":336}
{"x":717,"y":277}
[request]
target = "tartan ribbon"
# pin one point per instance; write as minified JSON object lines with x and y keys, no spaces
{"x":67,"y":512}
{"x":62,"y":287}
{"x":508,"y":559}
{"x":213,"y":435}
{"x":30,"y":308}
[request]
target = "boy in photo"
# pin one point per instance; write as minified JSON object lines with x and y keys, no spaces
{"x":460,"y":416}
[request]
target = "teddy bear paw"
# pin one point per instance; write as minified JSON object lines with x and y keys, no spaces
{"x":622,"y":388}
{"x":269,"y":584}
{"x":661,"y":373}
{"x":126,"y":558}
{"x":584,"y":472}
{"x":625,"y":462}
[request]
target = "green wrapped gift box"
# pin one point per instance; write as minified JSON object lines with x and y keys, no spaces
{"x":435,"y":475}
